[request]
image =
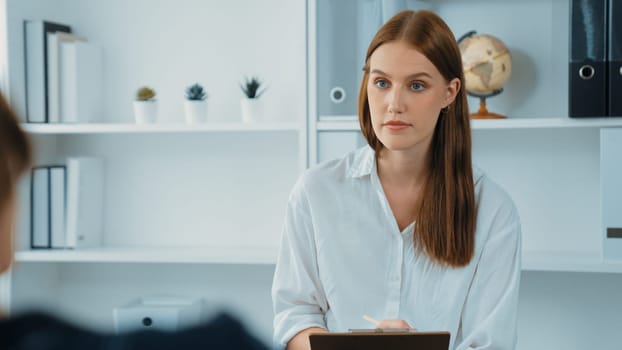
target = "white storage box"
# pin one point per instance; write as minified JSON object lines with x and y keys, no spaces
{"x":161,"y":313}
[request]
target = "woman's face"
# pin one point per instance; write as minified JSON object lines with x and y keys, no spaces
{"x":406,"y":93}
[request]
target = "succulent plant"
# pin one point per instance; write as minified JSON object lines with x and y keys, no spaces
{"x":145,"y":94}
{"x":251,"y":87}
{"x":196,"y":93}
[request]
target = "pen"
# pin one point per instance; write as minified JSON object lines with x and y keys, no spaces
{"x":387,"y":330}
{"x":371,"y":320}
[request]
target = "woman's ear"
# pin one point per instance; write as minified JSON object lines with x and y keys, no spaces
{"x":452,"y":91}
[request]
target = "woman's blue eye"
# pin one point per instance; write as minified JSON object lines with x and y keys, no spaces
{"x":416,"y":86}
{"x":381,"y":83}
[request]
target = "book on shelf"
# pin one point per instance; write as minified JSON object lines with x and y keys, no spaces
{"x":85,"y":192}
{"x":36,"y":68}
{"x":587,"y":66}
{"x":55,"y":39}
{"x":57,"y":206}
{"x":81,"y":82}
{"x":67,"y":204}
{"x":39,"y":208}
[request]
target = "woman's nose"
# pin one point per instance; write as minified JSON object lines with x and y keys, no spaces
{"x":395,"y":102}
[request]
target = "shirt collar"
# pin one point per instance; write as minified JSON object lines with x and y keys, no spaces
{"x":363,"y":162}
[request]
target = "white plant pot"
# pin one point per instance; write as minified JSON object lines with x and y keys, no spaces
{"x":145,"y":112}
{"x":195,"y":111}
{"x":252,"y":110}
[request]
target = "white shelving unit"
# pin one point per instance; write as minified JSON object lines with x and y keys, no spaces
{"x":190,"y":203}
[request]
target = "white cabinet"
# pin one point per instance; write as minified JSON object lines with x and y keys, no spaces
{"x":219,"y":185}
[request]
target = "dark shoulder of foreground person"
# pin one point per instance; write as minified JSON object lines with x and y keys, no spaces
{"x":41,"y":331}
{"x":221,"y":332}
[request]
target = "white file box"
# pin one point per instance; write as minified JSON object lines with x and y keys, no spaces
{"x":159,"y":313}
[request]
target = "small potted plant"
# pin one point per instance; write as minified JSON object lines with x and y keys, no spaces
{"x":252,"y":108}
{"x":195,"y":106}
{"x":145,"y":106}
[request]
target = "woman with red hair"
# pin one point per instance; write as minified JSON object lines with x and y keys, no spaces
{"x":406,"y":229}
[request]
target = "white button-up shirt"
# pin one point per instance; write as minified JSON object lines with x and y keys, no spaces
{"x":342,"y":256}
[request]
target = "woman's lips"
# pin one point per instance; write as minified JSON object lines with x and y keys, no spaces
{"x":396,"y":125}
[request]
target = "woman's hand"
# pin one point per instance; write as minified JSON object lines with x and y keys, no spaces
{"x":301,"y":340}
{"x":393,"y":324}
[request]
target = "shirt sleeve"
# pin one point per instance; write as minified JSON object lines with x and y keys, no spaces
{"x":489,"y":317}
{"x":299,"y":301}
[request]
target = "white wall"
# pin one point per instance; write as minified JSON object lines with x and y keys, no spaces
{"x":571,"y":311}
{"x":553,"y":177}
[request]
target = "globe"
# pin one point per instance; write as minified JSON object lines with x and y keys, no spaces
{"x":487,"y":63}
{"x":487,"y":67}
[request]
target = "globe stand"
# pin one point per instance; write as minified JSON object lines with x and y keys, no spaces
{"x":483,"y":113}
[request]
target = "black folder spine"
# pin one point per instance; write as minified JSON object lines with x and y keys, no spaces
{"x":587,"y":71}
{"x":615,"y":58}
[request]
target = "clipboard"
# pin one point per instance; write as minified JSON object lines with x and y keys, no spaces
{"x":374,"y":339}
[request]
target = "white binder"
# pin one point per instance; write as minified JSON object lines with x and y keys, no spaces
{"x":611,"y":191}
{"x":81,"y":82}
{"x":57,"y":207}
{"x":85,"y":196}
{"x":40,"y":208}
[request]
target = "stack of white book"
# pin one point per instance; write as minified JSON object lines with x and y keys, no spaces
{"x":64,"y":75}
{"x":67,"y":204}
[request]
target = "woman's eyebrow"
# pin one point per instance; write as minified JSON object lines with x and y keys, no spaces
{"x":412,"y":76}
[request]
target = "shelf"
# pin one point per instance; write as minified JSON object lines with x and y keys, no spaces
{"x":157,"y":128}
{"x":338,"y":126}
{"x":497,"y":124}
{"x":537,"y":123}
{"x":566,"y":262}
{"x":199,"y":255}
{"x":558,"y":262}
